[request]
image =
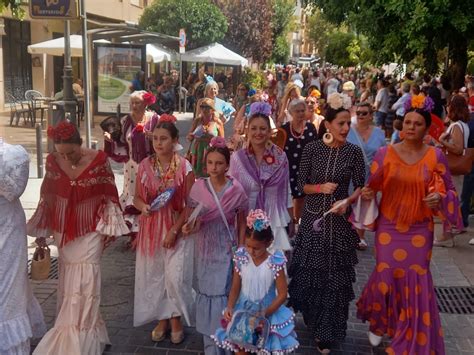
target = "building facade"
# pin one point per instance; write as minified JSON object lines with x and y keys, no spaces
{"x":20,"y":71}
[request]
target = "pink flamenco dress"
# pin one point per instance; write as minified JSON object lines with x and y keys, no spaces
{"x":78,"y":213}
{"x":399,"y":298}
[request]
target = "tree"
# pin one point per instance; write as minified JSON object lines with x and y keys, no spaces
{"x":283,"y":22}
{"x":319,"y":32}
{"x":14,"y":6}
{"x":337,"y":52}
{"x":409,"y":28}
{"x":203,"y":22}
{"x":250,"y":27}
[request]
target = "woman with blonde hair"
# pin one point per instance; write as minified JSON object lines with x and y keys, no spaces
{"x":292,"y":91}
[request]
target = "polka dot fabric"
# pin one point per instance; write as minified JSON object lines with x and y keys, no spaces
{"x":322,"y":268}
{"x":294,"y":150}
{"x":399,"y":298}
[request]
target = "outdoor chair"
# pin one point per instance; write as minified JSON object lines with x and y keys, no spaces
{"x":32,"y":97}
{"x":18,"y":109}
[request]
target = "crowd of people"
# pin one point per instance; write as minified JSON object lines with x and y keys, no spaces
{"x":307,"y":165}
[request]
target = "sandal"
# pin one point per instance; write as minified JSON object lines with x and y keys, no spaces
{"x":177,"y":337}
{"x":362,"y":245}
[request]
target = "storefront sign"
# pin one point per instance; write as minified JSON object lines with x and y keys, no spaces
{"x":118,"y":69}
{"x":58,"y":9}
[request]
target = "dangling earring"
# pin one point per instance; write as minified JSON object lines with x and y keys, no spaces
{"x":328,"y":138}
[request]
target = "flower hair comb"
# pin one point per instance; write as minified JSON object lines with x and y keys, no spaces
{"x":338,"y":101}
{"x":420,"y":102}
{"x":63,"y":131}
{"x":167,"y":118}
{"x":218,"y":142}
{"x":261,"y":108}
{"x":258,"y":220}
{"x":148,"y":98}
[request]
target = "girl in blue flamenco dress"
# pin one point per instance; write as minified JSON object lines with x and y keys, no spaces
{"x":259,"y":287}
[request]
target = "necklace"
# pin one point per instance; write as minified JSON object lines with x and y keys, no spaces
{"x":297,"y":136}
{"x":76,"y":163}
{"x":160,"y":171}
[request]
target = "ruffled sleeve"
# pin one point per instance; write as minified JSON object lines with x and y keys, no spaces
{"x":14,"y":171}
{"x":277,"y":262}
{"x":111,"y":221}
{"x":376,"y":170}
{"x":241,"y":257}
{"x":450,"y":211}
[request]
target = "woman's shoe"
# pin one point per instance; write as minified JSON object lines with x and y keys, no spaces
{"x":471,"y":242}
{"x":177,"y":337}
{"x":324,"y":347}
{"x":447,"y":243}
{"x":158,"y":335}
{"x":362,"y":245}
{"x":374,"y":339}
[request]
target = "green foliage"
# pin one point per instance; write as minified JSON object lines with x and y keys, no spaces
{"x":283,"y":22}
{"x":470,"y":64}
{"x":406,"y":29}
{"x":254,"y":78}
{"x":281,"y":50}
{"x":250,"y":28}
{"x":14,"y":6}
{"x":203,"y":21}
{"x":342,"y":49}
{"x":319,"y":32}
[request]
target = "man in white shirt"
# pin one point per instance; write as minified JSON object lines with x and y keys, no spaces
{"x":381,"y":103}
{"x":297,"y":75}
{"x":332,"y":84}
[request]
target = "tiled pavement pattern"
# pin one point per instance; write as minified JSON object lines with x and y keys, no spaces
{"x":117,"y":309}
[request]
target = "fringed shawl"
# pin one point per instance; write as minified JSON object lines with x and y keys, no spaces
{"x":153,"y":228}
{"x":73,"y":208}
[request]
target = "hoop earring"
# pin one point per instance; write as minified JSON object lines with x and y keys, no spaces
{"x":328,"y":138}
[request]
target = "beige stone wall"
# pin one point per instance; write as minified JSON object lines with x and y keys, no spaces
{"x":125,"y":10}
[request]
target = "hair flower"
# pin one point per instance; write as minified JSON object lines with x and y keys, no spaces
{"x":218,"y":142}
{"x":167,"y":118}
{"x":64,"y":130}
{"x":261,"y":108}
{"x":315,"y":93}
{"x":338,"y":101}
{"x":148,"y":98}
{"x":419,"y":102}
{"x":258,"y":220}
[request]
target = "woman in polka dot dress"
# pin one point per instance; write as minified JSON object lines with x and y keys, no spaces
{"x":399,"y":298}
{"x":322,"y":268}
{"x":299,"y":132}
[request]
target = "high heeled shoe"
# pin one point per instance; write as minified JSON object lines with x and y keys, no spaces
{"x":447,"y":243}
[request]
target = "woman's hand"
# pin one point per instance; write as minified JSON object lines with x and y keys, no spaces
{"x":444,"y":138}
{"x":146,"y":210}
{"x":170,"y":239}
{"x":342,"y":206}
{"x":41,"y":242}
{"x":367,"y":193}
{"x":107,"y":240}
{"x":228,"y":313}
{"x":107,"y":137}
{"x":190,"y":228}
{"x":190,"y":137}
{"x":432,"y":200}
{"x":328,"y":188}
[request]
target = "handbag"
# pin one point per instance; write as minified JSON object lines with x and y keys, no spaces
{"x":248,"y":330}
{"x":113,"y":126}
{"x":41,"y":263}
{"x":460,"y":164}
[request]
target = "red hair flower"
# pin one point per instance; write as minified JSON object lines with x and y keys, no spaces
{"x":63,"y":131}
{"x":167,"y":118}
{"x":139,"y":127}
{"x":149,"y":98}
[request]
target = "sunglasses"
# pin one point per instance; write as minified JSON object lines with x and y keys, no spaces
{"x":205,"y":107}
{"x":362,"y":113}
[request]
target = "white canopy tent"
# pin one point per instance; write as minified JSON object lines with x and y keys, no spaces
{"x":214,"y":53}
{"x":55,"y":47}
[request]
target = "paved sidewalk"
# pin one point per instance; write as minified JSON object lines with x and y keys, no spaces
{"x":450,"y":267}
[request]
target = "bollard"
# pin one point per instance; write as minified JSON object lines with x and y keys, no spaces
{"x":39,"y":150}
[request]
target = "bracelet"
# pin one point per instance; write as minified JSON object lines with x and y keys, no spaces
{"x":318,"y":188}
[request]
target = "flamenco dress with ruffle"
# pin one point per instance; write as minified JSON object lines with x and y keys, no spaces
{"x":257,"y":293}
{"x":399,"y":298}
